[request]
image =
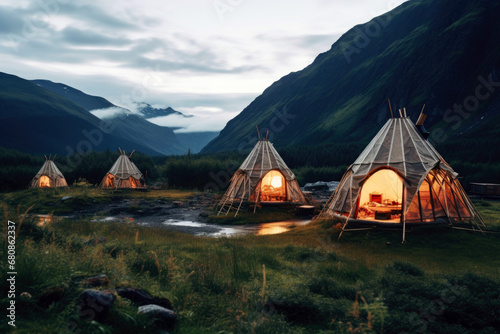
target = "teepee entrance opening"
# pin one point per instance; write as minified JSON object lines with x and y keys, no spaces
{"x":44,"y":181}
{"x":381,"y":197}
{"x":273,"y":187}
{"x":109,"y":181}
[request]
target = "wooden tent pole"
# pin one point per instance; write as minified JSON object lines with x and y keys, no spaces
{"x":422,"y":117}
{"x":404,"y":109}
{"x":390,"y":107}
{"x":130,"y":156}
{"x":403,"y":215}
{"x":258,"y":133}
{"x":267,"y":134}
{"x":400,"y":113}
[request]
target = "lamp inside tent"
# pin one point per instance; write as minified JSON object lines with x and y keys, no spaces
{"x":273,"y":187}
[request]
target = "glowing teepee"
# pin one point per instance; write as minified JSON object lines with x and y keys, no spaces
{"x":49,"y":176}
{"x":400,"y":178}
{"x":262,"y":177}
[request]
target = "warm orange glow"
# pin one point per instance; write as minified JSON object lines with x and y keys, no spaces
{"x":271,"y":228}
{"x":381,"y":196}
{"x":273,"y":187}
{"x":44,"y":181}
{"x":110,"y":181}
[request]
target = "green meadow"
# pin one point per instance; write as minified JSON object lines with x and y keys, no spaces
{"x":441,"y":280}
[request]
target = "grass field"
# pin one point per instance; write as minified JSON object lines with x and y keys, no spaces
{"x":305,"y":281}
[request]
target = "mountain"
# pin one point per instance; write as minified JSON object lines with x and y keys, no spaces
{"x":150,"y":112}
{"x":36,"y":120}
{"x":195,"y":141}
{"x":442,"y":53}
{"x":88,"y":102}
{"x":126,"y":124}
{"x":135,"y":126}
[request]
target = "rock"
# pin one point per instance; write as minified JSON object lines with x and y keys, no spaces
{"x":95,"y":241}
{"x":50,"y":296}
{"x":177,"y":204}
{"x":163,"y":317}
{"x":204,"y":214}
{"x":95,"y":281}
{"x":65,"y":198}
{"x":95,"y":305}
{"x":141,"y":297}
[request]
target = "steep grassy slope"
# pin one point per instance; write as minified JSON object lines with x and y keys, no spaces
{"x":35,"y":120}
{"x":426,"y":51}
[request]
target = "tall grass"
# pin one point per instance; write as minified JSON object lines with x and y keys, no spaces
{"x":303,"y":281}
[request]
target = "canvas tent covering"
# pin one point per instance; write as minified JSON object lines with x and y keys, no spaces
{"x":401,"y":178}
{"x":48,"y":176}
{"x":262,"y":177}
{"x":123,"y":174}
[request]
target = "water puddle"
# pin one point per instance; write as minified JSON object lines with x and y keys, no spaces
{"x":195,"y":228}
{"x":209,"y":230}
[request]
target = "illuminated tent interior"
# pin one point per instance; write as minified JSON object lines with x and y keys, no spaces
{"x":123,"y":174}
{"x":401,"y":179}
{"x":262,"y":178}
{"x":49,"y":176}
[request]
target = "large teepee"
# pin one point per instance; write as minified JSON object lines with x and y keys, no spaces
{"x":49,"y":176}
{"x":123,"y":174}
{"x":262,"y":177}
{"x":400,"y":178}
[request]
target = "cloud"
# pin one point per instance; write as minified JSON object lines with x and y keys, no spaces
{"x":110,"y":112}
{"x":205,"y":119}
{"x":75,"y":36}
{"x":208,"y":67}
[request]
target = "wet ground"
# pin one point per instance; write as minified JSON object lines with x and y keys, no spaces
{"x":182,"y":216}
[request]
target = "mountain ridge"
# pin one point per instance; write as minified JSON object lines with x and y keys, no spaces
{"x":422,"y":52}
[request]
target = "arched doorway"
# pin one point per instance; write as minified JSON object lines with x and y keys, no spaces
{"x":273,"y":187}
{"x":44,"y":181}
{"x":381,"y":197}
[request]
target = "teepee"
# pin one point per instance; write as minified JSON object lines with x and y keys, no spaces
{"x":123,"y":174}
{"x":401,"y":179}
{"x":49,"y":176}
{"x":262,"y":178}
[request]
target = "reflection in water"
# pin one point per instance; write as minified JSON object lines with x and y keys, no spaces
{"x":197,"y":228}
{"x":43,"y":220}
{"x":279,"y":227}
{"x":210,"y":230}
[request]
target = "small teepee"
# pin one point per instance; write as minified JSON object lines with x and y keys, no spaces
{"x":401,"y":179}
{"x":262,"y":178}
{"x":123,"y":174}
{"x":49,"y":176}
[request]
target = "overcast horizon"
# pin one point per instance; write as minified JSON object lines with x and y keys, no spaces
{"x":209,"y":59}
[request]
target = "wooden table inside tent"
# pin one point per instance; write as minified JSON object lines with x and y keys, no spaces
{"x":385,"y":212}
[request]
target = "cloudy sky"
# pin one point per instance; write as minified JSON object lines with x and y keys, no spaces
{"x":209,"y":58}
